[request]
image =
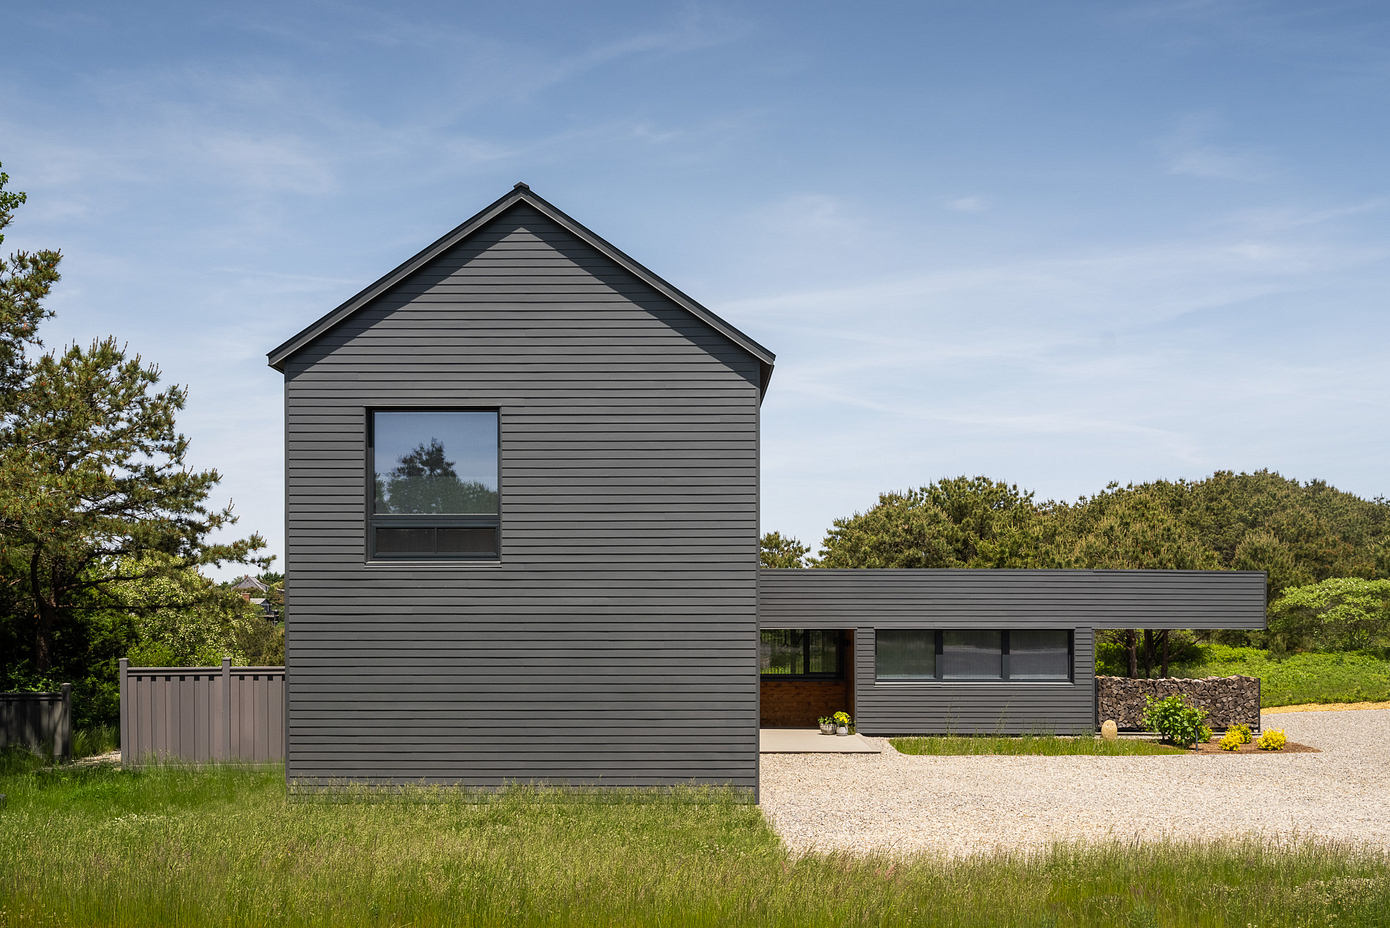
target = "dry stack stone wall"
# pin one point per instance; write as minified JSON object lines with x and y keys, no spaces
{"x":1228,"y":700}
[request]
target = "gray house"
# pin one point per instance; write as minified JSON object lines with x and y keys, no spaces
{"x":522,"y":544}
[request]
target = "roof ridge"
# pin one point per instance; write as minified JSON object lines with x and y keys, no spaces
{"x":521,"y":192}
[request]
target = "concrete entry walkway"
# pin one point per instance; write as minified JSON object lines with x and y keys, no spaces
{"x":811,"y":741}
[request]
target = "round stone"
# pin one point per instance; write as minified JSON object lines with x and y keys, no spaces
{"x":1109,"y":730}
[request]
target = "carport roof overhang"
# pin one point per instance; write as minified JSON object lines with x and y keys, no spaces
{"x":957,"y":598}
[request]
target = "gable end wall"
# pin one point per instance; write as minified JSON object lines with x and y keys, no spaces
{"x":615,"y":641}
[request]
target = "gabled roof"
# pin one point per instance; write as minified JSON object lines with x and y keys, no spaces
{"x":520,"y":194}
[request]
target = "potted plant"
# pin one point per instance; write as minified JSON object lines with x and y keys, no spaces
{"x":842,"y":722}
{"x":827,"y":725}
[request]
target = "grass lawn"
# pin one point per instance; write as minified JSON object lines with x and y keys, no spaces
{"x":1298,"y":678}
{"x":96,"y":846}
{"x":1032,"y":744}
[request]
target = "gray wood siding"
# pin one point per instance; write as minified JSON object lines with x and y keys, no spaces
{"x":960,"y":708}
{"x":1079,"y":600}
{"x":615,"y":640}
{"x":1012,"y":598}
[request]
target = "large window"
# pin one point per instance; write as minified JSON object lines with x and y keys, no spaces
{"x":434,"y":490}
{"x":906,"y":654}
{"x":1039,"y":655}
{"x":972,"y":654}
{"x":799,"y":652}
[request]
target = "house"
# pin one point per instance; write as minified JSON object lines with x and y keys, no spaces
{"x":249,"y":586}
{"x":522,"y":544}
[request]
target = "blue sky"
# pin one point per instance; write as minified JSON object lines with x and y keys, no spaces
{"x":1059,"y":244}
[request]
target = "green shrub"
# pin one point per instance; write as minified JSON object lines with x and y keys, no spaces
{"x":1298,"y":678}
{"x":1340,"y":614}
{"x":1177,"y":720}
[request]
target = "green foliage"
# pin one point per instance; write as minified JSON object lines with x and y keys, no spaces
{"x":1112,"y":659}
{"x":1043,"y":745}
{"x":170,"y":846}
{"x":1339,"y":614}
{"x":1273,"y":739}
{"x":95,"y":492}
{"x":1178,"y":721}
{"x":179,"y":618}
{"x":25,"y":279}
{"x":1127,"y":529}
{"x":1300,"y":533}
{"x":777,"y":550}
{"x":96,"y":739}
{"x":959,"y":522}
{"x":1294,"y":679}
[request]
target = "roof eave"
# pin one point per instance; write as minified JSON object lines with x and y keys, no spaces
{"x":521,"y":193}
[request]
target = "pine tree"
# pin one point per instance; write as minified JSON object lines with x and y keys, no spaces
{"x":93,"y":477}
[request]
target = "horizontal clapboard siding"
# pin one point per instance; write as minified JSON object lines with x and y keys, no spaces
{"x":614,"y":641}
{"x":1076,"y":600}
{"x":1016,"y":598}
{"x":1006,"y":707}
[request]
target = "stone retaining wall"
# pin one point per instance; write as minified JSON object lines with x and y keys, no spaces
{"x":1228,"y":700}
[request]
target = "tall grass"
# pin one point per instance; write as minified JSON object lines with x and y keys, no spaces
{"x":97,"y":846}
{"x":1308,"y":677}
{"x":96,"y":739}
{"x":1050,"y":745}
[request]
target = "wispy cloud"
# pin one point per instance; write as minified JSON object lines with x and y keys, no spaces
{"x":970,"y":204}
{"x":1192,"y":150}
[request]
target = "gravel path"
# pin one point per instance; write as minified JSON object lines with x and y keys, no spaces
{"x":964,"y":805}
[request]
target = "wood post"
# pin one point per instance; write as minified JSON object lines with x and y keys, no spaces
{"x":125,"y":713}
{"x":62,"y":734}
{"x":226,"y":709}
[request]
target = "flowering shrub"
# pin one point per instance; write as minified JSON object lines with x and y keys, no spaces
{"x":841,"y":718}
{"x":1176,"y":720}
{"x":1272,"y":740}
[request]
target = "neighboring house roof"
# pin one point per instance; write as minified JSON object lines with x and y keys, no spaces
{"x":250,"y":583}
{"x":520,"y":194}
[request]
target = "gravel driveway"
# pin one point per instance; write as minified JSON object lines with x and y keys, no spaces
{"x":963,"y":805}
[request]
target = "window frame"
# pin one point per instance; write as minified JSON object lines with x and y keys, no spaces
{"x":837,"y":674}
{"x":1004,"y":677}
{"x":373,"y":520}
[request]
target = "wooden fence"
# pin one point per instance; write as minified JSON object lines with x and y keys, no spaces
{"x":41,"y":721}
{"x":202,"y":714}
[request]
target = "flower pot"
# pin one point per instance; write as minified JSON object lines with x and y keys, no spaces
{"x":842,"y":730}
{"x":827,"y":728}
